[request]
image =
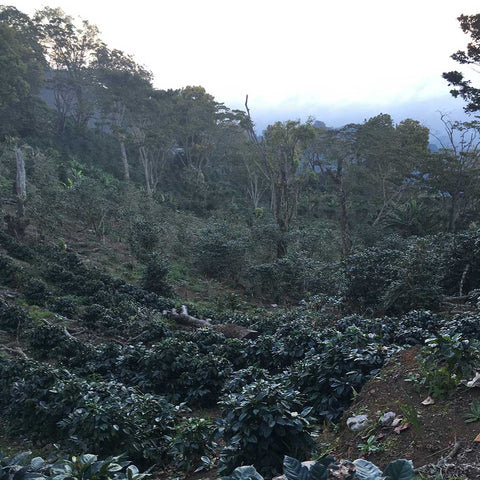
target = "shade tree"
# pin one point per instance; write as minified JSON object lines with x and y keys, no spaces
{"x":70,"y":46}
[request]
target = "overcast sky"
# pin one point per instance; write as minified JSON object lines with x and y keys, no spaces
{"x":336,"y":60}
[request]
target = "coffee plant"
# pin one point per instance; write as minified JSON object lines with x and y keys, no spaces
{"x":262,"y":423}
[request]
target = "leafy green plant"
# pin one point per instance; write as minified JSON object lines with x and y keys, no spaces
{"x":10,"y":273}
{"x":294,"y":470}
{"x":264,"y":422}
{"x":474,"y":415}
{"x":22,"y":467}
{"x":411,"y":415}
{"x":88,"y":467}
{"x":371,"y":446}
{"x":219,"y":252}
{"x":155,"y":277}
{"x":446,"y":360}
{"x":193,"y":440}
{"x":13,"y":318}
{"x":36,"y":292}
{"x":396,"y":470}
{"x":144,"y":238}
{"x":84,"y":467}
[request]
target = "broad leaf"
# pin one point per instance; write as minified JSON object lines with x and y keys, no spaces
{"x":399,"y":470}
{"x":318,"y":471}
{"x":293,"y":469}
{"x":246,"y":473}
{"x":20,"y":458}
{"x":366,"y":470}
{"x":37,"y":463}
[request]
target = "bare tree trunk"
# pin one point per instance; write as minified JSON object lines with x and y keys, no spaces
{"x":146,"y":169}
{"x":126,"y":170}
{"x":229,"y":330}
{"x":21,"y":183}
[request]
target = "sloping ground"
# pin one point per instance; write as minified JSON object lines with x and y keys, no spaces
{"x":440,"y":426}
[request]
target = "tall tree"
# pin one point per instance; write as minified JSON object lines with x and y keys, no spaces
{"x":463,"y":88}
{"x":453,"y":173}
{"x":21,"y":73}
{"x":330,"y":153}
{"x":71,"y":50}
{"x":122,"y":87}
{"x":198,"y":114}
{"x":281,"y":149}
{"x":153,"y":133}
{"x":388,"y":156}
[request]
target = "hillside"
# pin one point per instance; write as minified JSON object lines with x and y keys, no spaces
{"x":92,"y":363}
{"x":334,"y":272}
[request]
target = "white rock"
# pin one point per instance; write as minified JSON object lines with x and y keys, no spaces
{"x":358,"y":422}
{"x":387,"y":419}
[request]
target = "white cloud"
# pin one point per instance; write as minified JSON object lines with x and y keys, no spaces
{"x":285,"y":53}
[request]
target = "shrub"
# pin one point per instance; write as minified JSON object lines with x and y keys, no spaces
{"x":446,"y":360}
{"x":36,"y":292}
{"x":329,"y":379}
{"x":155,"y":277}
{"x":368,"y":273}
{"x":95,"y":316}
{"x":65,"y":306}
{"x":143,"y":238}
{"x":264,"y":422}
{"x":193,"y":439}
{"x":10,"y":274}
{"x":327,"y":467}
{"x":219,"y":253}
{"x":14,"y":248}
{"x":104,"y":416}
{"x":51,"y":341}
{"x":13,"y":318}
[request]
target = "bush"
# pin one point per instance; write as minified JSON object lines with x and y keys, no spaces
{"x":36,"y":292}
{"x":446,"y":360}
{"x":66,"y":307}
{"x":51,"y":341}
{"x":95,"y":316}
{"x":155,"y":277}
{"x":12,"y":318}
{"x":329,"y":379}
{"x":104,"y":416}
{"x":219,"y":253}
{"x":87,"y":467}
{"x":279,"y":280}
{"x":264,"y":422}
{"x":143,"y":238}
{"x":193,"y":439}
{"x":10,"y":274}
{"x":14,"y":248}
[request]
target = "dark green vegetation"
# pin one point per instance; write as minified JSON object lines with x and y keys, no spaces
{"x":120,"y":202}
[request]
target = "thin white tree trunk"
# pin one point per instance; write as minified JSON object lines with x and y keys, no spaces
{"x":21,"y":183}
{"x":126,"y":170}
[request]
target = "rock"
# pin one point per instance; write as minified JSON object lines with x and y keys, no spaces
{"x":387,"y":419}
{"x":357,"y":423}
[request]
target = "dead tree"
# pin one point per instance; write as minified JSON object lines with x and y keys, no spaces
{"x":229,"y":330}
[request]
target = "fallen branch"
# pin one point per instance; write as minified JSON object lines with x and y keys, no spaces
{"x":453,"y":452}
{"x":229,"y":330}
{"x":68,"y":334}
{"x":17,"y":350}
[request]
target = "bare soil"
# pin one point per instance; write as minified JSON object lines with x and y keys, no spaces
{"x":440,"y":426}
